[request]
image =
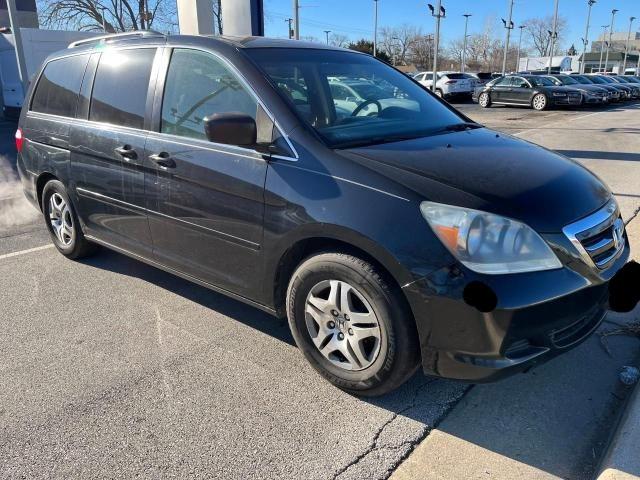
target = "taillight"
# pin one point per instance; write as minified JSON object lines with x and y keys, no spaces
{"x":19,"y":140}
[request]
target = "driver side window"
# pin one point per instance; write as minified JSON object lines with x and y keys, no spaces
{"x":197,"y":86}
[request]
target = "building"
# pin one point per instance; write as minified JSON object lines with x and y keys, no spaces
{"x":618,"y":42}
{"x":558,"y":64}
{"x":592,"y":62}
{"x":27,"y":14}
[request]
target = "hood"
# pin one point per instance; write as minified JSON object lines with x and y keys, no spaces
{"x":561,"y":88}
{"x":490,"y":171}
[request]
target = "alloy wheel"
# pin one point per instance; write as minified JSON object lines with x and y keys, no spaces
{"x":343,"y":325}
{"x":61,"y":219}
{"x":484,"y":100}
{"x":539,"y":102}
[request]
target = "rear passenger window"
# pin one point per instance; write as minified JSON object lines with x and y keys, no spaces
{"x":120,"y":87}
{"x":59,"y":86}
{"x":197,"y":86}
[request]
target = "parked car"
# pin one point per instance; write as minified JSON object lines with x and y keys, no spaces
{"x":590,"y":93}
{"x":536,"y":91}
{"x":448,"y":84}
{"x":390,"y":241}
{"x":482,"y":78}
{"x":625,"y":92}
{"x":635,"y":89}
{"x":614,"y":94}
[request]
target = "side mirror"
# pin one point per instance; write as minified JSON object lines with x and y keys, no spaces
{"x":231,"y":129}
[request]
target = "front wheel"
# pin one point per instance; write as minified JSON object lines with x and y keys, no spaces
{"x":351,"y":324}
{"x":62,"y":222}
{"x":439,"y":93}
{"x":540,"y":102}
{"x":484,"y":100}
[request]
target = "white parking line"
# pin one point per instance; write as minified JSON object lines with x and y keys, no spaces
{"x":571,"y":119}
{"x":24,"y":252}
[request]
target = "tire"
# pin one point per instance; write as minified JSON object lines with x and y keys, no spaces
{"x":439,"y":93}
{"x":375,"y":322}
{"x":484,"y":100}
{"x":62,"y":222}
{"x":539,"y":102}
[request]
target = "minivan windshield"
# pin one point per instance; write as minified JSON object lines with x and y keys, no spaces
{"x":353,"y":100}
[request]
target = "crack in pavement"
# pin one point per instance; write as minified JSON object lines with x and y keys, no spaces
{"x":634,"y":216}
{"x":406,"y":446}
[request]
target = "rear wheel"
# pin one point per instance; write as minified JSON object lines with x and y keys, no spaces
{"x":540,"y":102}
{"x":484,"y":100}
{"x":351,"y":324}
{"x":62,"y":222}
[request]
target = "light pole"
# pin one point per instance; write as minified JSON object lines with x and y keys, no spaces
{"x":604,"y":34}
{"x":464,"y":48}
{"x":289,"y":21}
{"x":606,"y":62}
{"x":509,"y":26}
{"x":296,"y":19}
{"x":626,"y":49}
{"x":438,"y":12}
{"x":521,"y":27}
{"x":554,"y":37}
{"x":585,"y":40}
{"x":327,"y":32}
{"x":375,"y":28}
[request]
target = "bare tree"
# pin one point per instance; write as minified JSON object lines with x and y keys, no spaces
{"x":112,"y":15}
{"x":339,"y":40}
{"x":398,"y":41}
{"x":538,"y":33}
{"x":217,"y":14}
{"x":421,"y":53}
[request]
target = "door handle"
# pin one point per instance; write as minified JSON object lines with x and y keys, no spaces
{"x":163,"y":159}
{"x":127,"y":152}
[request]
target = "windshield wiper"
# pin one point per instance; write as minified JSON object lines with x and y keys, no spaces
{"x":459,"y":127}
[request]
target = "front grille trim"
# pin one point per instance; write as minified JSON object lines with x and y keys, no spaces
{"x":603,"y":251}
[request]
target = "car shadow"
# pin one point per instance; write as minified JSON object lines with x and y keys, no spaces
{"x":529,"y":418}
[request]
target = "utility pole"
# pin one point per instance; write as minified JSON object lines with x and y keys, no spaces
{"x":613,"y":15}
{"x":104,"y":20}
{"x":17,"y":38}
{"x":554,"y":37}
{"x":464,"y":49}
{"x":375,"y":28}
{"x":141,"y":13}
{"x":296,"y":19}
{"x":521,"y":27}
{"x":289,"y":21}
{"x":604,"y":33}
{"x":585,"y":40}
{"x":441,"y":12}
{"x":327,"y":32}
{"x":509,"y":26}
{"x":626,"y":49}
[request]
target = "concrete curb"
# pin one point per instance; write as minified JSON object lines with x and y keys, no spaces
{"x":622,"y":460}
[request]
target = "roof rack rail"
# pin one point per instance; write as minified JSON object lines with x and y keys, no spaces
{"x":116,"y":37}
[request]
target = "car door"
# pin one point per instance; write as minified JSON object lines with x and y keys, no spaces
{"x":205,"y":200}
{"x":499,"y":90}
{"x":519,"y":91}
{"x":107,"y":162}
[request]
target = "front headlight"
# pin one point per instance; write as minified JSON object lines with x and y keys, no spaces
{"x":487,"y":243}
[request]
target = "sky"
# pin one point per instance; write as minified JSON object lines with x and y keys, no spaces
{"x":355,"y":17}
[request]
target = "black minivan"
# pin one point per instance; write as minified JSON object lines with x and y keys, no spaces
{"x":389,"y":228}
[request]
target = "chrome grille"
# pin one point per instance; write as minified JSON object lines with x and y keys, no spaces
{"x":600,"y":237}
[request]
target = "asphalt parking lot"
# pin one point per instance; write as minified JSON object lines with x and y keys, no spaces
{"x":111,"y":368}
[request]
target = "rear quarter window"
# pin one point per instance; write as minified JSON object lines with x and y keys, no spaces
{"x":59,"y":86}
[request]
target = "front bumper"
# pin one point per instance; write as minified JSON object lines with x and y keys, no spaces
{"x":536,"y":316}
